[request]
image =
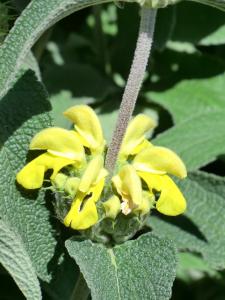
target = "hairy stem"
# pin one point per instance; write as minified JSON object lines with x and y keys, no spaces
{"x":134,"y":83}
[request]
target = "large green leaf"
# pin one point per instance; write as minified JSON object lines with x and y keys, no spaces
{"x":16,"y":261}
{"x":197,"y":107}
{"x":199,"y":140}
{"x":202,"y":228}
{"x":26,"y":212}
{"x":34,"y":20}
{"x":138,"y":269}
{"x":198,"y":95}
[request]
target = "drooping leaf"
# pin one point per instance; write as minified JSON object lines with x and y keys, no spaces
{"x":201,"y":228}
{"x":198,"y":140}
{"x":197,"y":107}
{"x":26,"y":212}
{"x":191,"y":98}
{"x":138,"y":269}
{"x":15,"y":259}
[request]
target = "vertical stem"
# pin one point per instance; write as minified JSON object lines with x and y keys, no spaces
{"x":100,"y":39}
{"x":81,"y":290}
{"x":134,"y":83}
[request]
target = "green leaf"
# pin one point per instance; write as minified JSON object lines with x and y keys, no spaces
{"x":207,"y":26}
{"x":38,"y":16}
{"x":26,"y":212}
{"x":138,"y":269}
{"x":192,"y":267}
{"x":200,"y":96}
{"x":198,"y":140}
{"x":15,"y":259}
{"x":202,"y":228}
{"x":197,"y":107}
{"x":220,"y":4}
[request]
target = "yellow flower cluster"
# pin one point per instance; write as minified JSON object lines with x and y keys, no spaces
{"x":140,"y":183}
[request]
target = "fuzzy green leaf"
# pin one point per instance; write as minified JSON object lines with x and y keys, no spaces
{"x":199,"y":134}
{"x":138,"y":269}
{"x":198,"y":140}
{"x":202,"y":228}
{"x":26,"y":212}
{"x":190,"y":98}
{"x":15,"y":259}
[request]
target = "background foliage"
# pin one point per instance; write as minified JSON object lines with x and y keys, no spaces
{"x":85,"y":58}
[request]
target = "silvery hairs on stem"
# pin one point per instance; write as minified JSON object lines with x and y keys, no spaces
{"x":134,"y":83}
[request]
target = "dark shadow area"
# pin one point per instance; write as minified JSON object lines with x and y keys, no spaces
{"x":26,"y":99}
{"x":28,"y":194}
{"x":171,"y":67}
{"x":9,"y":289}
{"x":206,"y":288}
{"x":217,"y":167}
{"x":205,"y":20}
{"x":183,"y":223}
{"x":141,"y":232}
{"x":82,"y":80}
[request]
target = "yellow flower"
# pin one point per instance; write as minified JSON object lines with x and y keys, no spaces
{"x":112,"y":207}
{"x":64,"y":148}
{"x":128,"y":185}
{"x":88,"y":127}
{"x":134,"y":140}
{"x":150,"y":163}
{"x":83,"y":213}
{"x":77,"y":160}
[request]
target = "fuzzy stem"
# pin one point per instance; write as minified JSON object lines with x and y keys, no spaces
{"x":134,"y":83}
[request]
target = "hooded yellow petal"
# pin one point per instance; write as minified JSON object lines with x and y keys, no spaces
{"x":60,"y":142}
{"x":145,"y":144}
{"x":71,"y":186}
{"x":96,"y":190}
{"x":83,"y":214}
{"x":171,"y":202}
{"x":135,"y":133}
{"x":91,"y":173}
{"x":112,"y":207}
{"x":146,"y":203}
{"x":32,"y":175}
{"x":87,"y":125}
{"x":160,"y":160}
{"x":128,"y":185}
